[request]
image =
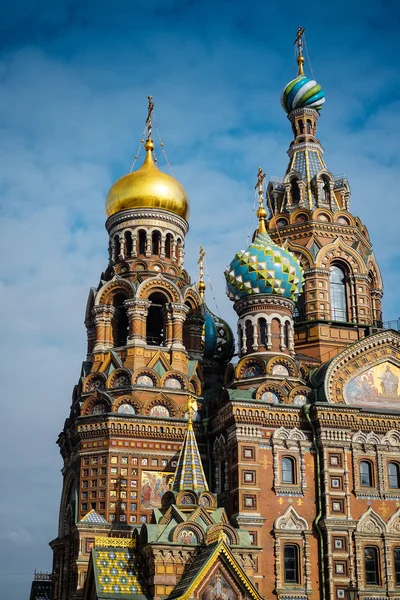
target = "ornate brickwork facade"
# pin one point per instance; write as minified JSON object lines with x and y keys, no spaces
{"x":274,"y":475}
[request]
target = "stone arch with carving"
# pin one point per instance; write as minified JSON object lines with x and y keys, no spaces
{"x":188,"y":526}
{"x":94,"y":381}
{"x":162,"y":400}
{"x":299,"y":211}
{"x":154,"y":376}
{"x":302,"y":254}
{"x":96,"y":398}
{"x":371,"y":523}
{"x":113,"y":379}
{"x":291,"y":443}
{"x":291,"y":520}
{"x":117,"y":284}
{"x":340,"y":251}
{"x":181,"y":377}
{"x":159,"y":284}
{"x":137,"y":405}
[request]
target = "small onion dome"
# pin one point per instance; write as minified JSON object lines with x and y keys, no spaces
{"x":302,"y":93}
{"x":148,"y":187}
{"x":264,"y":268}
{"x":218,"y":340}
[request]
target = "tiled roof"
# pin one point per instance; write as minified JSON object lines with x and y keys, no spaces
{"x":116,"y":572}
{"x":93,"y":517}
{"x":189,"y":474}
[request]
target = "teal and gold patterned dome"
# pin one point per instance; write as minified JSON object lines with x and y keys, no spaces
{"x":264,"y":268}
{"x":302,"y":92}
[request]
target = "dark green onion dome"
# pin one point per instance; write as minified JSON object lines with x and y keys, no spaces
{"x":218,"y":342}
{"x":264,"y":268}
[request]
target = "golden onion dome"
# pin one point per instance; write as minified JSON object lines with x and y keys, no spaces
{"x":148,"y":187}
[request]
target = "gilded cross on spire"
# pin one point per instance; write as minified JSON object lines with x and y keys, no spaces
{"x":299,"y":43}
{"x":149,"y":115}
{"x":201,"y":285}
{"x":261,"y":213}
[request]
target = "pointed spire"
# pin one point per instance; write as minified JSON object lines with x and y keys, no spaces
{"x":261,"y":213}
{"x":201,"y":286}
{"x":189,"y":474}
{"x":300,"y":58}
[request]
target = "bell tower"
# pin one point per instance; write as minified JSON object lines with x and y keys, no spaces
{"x":127,"y":422}
{"x":310,"y":214}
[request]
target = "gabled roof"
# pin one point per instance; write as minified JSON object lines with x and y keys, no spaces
{"x":93,"y":517}
{"x":203,"y":562}
{"x":189,"y":474}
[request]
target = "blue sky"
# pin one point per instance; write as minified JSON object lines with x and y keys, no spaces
{"x":74,"y":82}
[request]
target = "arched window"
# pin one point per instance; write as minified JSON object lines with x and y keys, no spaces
{"x":301,"y":126}
{"x":155,"y":325}
{"x":263,"y":331}
{"x":249,"y":336}
{"x":308,"y":126}
{"x":371,"y":562}
{"x":291,"y":563}
{"x":117,"y":248}
{"x":141,"y":242}
{"x":288,"y":470}
{"x":394,"y":475}
{"x":338,"y":294}
{"x":295,"y":191}
{"x":366,"y":476}
{"x":168,"y":245}
{"x":128,"y":244}
{"x":156,"y":243}
{"x":120,"y":321}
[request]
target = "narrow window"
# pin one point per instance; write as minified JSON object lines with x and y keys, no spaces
{"x":120,"y":321}
{"x":393,"y":470}
{"x":263,"y":330}
{"x":168,"y":244}
{"x":155,"y":326}
{"x":156,"y":243}
{"x":287,"y":334}
{"x":308,"y":126}
{"x":291,"y":563}
{"x":249,"y":336}
{"x":338,"y":294}
{"x":295,"y":191}
{"x":142,"y":242}
{"x":128,"y":244}
{"x":365,"y":473}
{"x":288,"y":471}
{"x":371,"y":565}
{"x":396,"y":553}
{"x":117,"y":248}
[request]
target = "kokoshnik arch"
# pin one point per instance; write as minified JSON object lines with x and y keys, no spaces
{"x":187,"y":475}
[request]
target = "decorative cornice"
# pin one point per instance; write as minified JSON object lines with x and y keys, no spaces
{"x":146,"y":213}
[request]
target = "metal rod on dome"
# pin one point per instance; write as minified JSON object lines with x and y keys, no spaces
{"x":261,"y":213}
{"x":299,"y":43}
{"x":150,"y":111}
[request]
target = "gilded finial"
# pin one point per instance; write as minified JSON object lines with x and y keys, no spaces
{"x":299,"y":43}
{"x":201,"y":286}
{"x":261,"y":213}
{"x":191,"y":409}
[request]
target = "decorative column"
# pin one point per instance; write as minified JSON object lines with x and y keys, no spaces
{"x":137,"y":310}
{"x":122,"y":248}
{"x":103,"y":315}
{"x":179,"y":312}
{"x":134,"y":245}
{"x":162,"y":245}
{"x":148,"y":244}
{"x":91,"y":337}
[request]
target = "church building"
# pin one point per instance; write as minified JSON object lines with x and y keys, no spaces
{"x":201,"y":466}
